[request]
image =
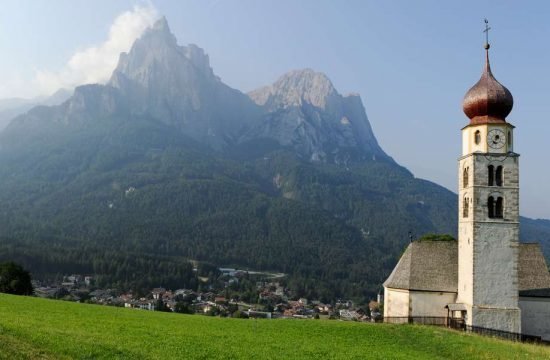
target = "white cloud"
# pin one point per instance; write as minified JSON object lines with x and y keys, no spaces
{"x":96,"y":63}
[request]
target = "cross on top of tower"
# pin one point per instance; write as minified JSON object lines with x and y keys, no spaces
{"x":486,"y":31}
{"x":488,"y":101}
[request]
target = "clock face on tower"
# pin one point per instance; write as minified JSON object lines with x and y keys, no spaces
{"x":496,"y":139}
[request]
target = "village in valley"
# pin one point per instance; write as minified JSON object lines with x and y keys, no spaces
{"x":267,"y":297}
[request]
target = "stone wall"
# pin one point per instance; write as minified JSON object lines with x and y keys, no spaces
{"x":488,"y":247}
{"x":497,"y":319}
{"x":535,"y":316}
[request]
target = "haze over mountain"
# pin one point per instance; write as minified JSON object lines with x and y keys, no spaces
{"x":177,"y":85}
{"x":10,"y":108}
{"x":166,"y":163}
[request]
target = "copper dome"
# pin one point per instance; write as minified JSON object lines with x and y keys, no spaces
{"x":488,"y":101}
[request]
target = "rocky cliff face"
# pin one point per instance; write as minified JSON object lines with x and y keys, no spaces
{"x":175,"y":85}
{"x":304,"y":111}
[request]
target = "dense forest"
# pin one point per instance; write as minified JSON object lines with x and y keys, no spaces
{"x":134,"y":204}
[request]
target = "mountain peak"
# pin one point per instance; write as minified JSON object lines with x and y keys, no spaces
{"x":161,"y":25}
{"x":158,"y":35}
{"x":306,"y":75}
{"x":305,"y":111}
{"x":156,"y":54}
{"x":176,"y":85}
{"x":295,"y":88}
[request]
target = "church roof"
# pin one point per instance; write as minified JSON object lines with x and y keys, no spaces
{"x":427,"y":265}
{"x":433,"y":266}
{"x":532,"y":269}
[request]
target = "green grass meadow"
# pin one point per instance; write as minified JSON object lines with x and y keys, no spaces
{"x":32,"y":328}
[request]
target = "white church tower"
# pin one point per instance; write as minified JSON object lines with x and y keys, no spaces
{"x":488,"y":230}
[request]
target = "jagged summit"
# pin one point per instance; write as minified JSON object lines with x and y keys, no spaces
{"x":161,"y":25}
{"x":175,"y":85}
{"x":161,"y":30}
{"x":296,"y":87}
{"x":155,"y":53}
{"x":305,"y":111}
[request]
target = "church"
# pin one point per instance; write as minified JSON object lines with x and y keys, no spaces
{"x":486,"y":279}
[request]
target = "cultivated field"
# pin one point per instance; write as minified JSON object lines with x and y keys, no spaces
{"x":44,"y":329}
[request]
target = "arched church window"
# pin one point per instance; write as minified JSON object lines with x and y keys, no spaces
{"x":499,"y":210}
{"x":491,"y":175}
{"x":465,"y":176}
{"x":498,"y":176}
{"x":477,"y":137}
{"x":491,"y":207}
{"x":465,"y":207}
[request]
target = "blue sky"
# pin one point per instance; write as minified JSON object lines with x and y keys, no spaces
{"x":411,"y":62}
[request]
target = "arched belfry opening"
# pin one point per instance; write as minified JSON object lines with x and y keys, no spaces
{"x":495,"y":207}
{"x":499,"y":208}
{"x":495,"y":175}
{"x":491,"y":207}
{"x":498,"y":176}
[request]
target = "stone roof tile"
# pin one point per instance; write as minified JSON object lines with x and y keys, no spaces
{"x":427,"y":265}
{"x":532,"y":269}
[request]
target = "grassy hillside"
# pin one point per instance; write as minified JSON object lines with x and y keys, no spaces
{"x":37,"y":328}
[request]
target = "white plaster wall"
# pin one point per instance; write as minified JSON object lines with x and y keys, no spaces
{"x":396,"y":302}
{"x":535,"y":316}
{"x":466,"y":233}
{"x":468,"y":138}
{"x":466,"y":141}
{"x":424,"y":303}
{"x":498,"y":319}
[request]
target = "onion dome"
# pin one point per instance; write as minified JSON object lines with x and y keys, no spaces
{"x":488,"y":101}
